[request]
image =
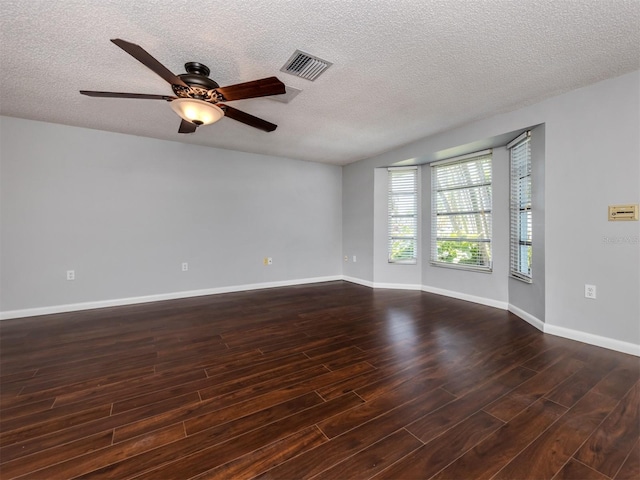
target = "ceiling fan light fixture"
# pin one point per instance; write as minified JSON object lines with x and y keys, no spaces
{"x":197,"y":111}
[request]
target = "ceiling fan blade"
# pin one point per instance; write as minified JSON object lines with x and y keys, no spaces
{"x":91,"y":93}
{"x":140,"y":54}
{"x":247,"y":119}
{"x":187,"y":127}
{"x":257,"y":88}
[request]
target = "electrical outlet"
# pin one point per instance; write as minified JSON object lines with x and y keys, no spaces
{"x":185,"y":267}
{"x":346,"y":258}
{"x":590,"y":291}
{"x":71,"y":274}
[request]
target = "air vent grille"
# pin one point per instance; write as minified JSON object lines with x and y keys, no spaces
{"x":306,"y":66}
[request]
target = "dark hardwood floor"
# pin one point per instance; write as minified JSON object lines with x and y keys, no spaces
{"x":326,"y":381}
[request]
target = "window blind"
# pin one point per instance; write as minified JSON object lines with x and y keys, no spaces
{"x":461,"y":212}
{"x":521,"y":231}
{"x":403,"y":215}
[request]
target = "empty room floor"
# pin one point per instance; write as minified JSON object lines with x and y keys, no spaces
{"x":326,"y":381}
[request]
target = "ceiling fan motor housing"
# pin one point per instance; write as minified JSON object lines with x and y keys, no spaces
{"x":201,"y":87}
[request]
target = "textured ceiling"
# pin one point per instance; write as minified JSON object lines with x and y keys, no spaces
{"x":402,"y":69}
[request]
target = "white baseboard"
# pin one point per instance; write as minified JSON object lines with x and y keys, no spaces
{"x":591,"y":339}
{"x":394,"y":286}
{"x":439,"y":291}
{"x":527,"y":317}
{"x":398,"y":286}
{"x":358,"y":281}
{"x":490,"y":302}
{"x":597,"y":340}
{"x":74,"y":307}
{"x":584,"y":337}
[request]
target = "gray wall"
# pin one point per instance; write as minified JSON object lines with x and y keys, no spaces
{"x":357,"y":229}
{"x":124,"y":212}
{"x":591,"y":160}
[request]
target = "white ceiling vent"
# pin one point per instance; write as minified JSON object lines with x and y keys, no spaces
{"x":305,"y":66}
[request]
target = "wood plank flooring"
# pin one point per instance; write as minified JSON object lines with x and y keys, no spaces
{"x":324,"y":381}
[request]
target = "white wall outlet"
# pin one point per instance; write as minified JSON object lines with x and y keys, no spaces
{"x":346,"y":258}
{"x":590,"y":291}
{"x":185,"y":267}
{"x":71,"y":274}
{"x":354,"y":259}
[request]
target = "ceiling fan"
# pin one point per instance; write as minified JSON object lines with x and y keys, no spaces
{"x":198,"y":99}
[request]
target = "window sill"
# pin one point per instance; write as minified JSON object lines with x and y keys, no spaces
{"x":522,"y":279}
{"x":467,"y":268}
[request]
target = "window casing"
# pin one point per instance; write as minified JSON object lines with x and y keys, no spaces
{"x":521,"y":215}
{"x":461,"y":203}
{"x":403,"y":215}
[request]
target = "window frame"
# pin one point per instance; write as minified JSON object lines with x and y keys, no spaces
{"x":520,"y":201}
{"x":394,"y":193}
{"x":485,"y":214}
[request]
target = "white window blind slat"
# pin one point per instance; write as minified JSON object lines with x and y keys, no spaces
{"x":462,"y":212}
{"x":521,"y":216}
{"x":403,"y":215}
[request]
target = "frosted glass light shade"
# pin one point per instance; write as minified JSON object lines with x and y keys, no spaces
{"x":196,"y":111}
